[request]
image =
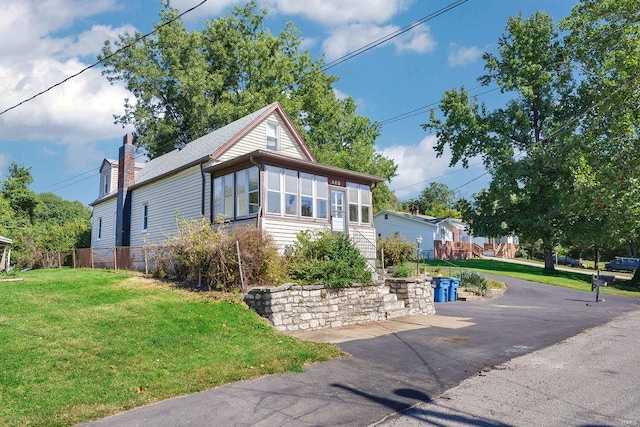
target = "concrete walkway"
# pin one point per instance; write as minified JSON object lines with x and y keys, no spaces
{"x":395,"y":365}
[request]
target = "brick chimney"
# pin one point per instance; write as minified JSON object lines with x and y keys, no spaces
{"x":126,"y":163}
{"x":126,"y":178}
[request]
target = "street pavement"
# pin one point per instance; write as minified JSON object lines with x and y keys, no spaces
{"x":590,"y":379}
{"x":408,"y":364}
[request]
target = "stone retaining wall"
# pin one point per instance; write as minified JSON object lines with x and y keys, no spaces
{"x":292,"y":307}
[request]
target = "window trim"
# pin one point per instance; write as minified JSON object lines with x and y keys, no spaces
{"x":145,"y":218}
{"x":359,"y":189}
{"x":99,"y":228}
{"x":271,"y":125}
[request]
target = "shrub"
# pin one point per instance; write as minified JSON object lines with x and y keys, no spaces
{"x":200,"y":254}
{"x":402,"y":270}
{"x":473,"y":281}
{"x":396,"y":249}
{"x":326,"y":258}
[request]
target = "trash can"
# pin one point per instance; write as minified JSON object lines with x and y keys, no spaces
{"x":454,"y":283}
{"x":441,"y":292}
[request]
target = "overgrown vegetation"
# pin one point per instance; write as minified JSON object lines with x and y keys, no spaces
{"x":326,"y":258}
{"x":207,"y":257}
{"x":395,"y":249}
{"x":39,"y":224}
{"x":84,"y":344}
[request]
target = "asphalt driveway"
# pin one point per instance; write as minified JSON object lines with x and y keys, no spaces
{"x":394,"y":371}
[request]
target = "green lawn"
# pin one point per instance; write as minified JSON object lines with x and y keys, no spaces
{"x":83,"y":344}
{"x":567,"y":279}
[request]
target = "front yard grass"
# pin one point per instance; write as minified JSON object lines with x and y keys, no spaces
{"x":567,"y":279}
{"x":79,"y":345}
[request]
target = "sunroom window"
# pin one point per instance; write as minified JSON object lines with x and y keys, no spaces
{"x":359,"y":203}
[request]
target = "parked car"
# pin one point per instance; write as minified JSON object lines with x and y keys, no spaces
{"x":567,"y":260}
{"x":622,"y":264}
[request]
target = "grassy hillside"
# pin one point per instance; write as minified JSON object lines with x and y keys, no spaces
{"x":83,"y":344}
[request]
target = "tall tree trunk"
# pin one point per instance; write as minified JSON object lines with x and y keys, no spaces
{"x":596,"y":256}
{"x":548,"y":260}
{"x":635,"y":280}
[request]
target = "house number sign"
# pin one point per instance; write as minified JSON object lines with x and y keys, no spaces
{"x":337,"y":182}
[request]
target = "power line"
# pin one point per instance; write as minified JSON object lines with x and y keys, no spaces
{"x":392,"y":35}
{"x":127,"y":46}
{"x":326,"y":67}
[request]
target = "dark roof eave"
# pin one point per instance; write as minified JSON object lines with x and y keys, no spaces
{"x":261,"y":156}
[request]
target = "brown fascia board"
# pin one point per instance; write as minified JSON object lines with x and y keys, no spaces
{"x":269,"y":158}
{"x":274,"y":107}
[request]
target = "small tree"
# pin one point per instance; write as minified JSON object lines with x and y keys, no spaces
{"x":396,"y":248}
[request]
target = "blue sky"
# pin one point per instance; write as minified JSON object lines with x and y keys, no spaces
{"x":64,"y":134}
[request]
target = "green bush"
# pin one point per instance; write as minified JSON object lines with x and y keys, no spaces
{"x":200,"y":254}
{"x":403,"y":270}
{"x":396,"y":249}
{"x":326,"y":258}
{"x":473,"y":281}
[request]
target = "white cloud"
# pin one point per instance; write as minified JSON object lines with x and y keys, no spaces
{"x":339,"y":94}
{"x":4,"y":162}
{"x":76,"y":113}
{"x":326,"y":12}
{"x":340,"y":12}
{"x":25,"y":25}
{"x":463,"y":55}
{"x":348,"y":38}
{"x":80,"y":109}
{"x":417,"y":166}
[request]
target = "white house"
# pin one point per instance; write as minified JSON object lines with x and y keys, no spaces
{"x":255,"y":171}
{"x":442,"y":238}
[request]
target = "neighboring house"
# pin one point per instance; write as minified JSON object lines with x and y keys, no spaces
{"x":255,"y":171}
{"x":442,"y":238}
{"x":5,"y":253}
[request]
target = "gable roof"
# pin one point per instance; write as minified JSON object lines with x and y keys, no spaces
{"x":423,"y":219}
{"x":5,"y":240}
{"x":212,"y":145}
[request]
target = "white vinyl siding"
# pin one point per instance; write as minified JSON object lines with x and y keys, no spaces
{"x":105,"y":210}
{"x":173,"y":198}
{"x":256,"y":139}
{"x":284,"y":230}
{"x":409,"y":228}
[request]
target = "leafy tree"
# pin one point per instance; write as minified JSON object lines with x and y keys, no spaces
{"x":523,"y":144}
{"x":15,"y":190}
{"x":604,"y":42}
{"x":39,"y":223}
{"x":436,"y":200}
{"x":53,"y":209}
{"x":189,"y":83}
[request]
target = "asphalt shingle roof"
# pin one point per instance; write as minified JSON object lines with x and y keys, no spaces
{"x":196,"y":150}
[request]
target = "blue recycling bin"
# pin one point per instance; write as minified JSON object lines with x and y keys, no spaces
{"x":454,"y":283}
{"x":441,"y":292}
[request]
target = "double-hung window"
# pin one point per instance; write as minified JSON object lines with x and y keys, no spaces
{"x":274,"y":193}
{"x":223,"y":196}
{"x":322,"y":195}
{"x":247,"y":192}
{"x":290,"y":192}
{"x":306,"y":195}
{"x":272,"y":136}
{"x":145,"y":217}
{"x":359,"y":203}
